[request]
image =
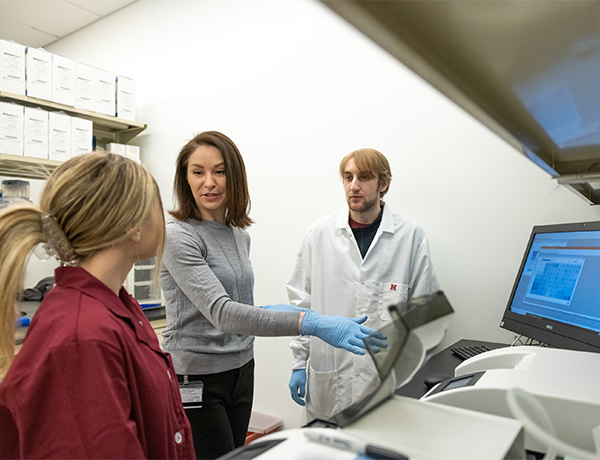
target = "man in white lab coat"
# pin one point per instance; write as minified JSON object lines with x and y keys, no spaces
{"x":355,"y":262}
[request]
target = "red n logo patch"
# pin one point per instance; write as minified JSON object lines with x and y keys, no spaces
{"x":393,"y":287}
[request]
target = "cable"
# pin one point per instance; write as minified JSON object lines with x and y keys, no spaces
{"x":545,"y":435}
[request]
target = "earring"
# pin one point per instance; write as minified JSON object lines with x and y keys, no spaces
{"x":138,"y":236}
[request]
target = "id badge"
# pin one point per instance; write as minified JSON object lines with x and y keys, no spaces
{"x":191,"y":393}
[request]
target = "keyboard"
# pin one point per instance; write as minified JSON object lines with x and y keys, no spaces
{"x":467,"y":352}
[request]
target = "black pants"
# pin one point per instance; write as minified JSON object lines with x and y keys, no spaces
{"x":222,"y":423}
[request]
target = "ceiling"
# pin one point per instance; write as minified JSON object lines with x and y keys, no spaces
{"x":39,"y":23}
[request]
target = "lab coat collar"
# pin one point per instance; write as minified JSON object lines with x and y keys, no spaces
{"x":387,"y":220}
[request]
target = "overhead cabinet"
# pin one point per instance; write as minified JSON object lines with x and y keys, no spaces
{"x":528,"y":70}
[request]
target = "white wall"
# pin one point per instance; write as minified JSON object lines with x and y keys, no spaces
{"x":297,"y":88}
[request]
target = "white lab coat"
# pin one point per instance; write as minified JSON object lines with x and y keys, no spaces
{"x":331,"y":277}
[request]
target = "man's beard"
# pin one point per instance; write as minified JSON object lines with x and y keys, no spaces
{"x":365,"y":206}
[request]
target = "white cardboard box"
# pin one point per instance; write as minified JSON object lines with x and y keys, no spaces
{"x":125,"y":100}
{"x":12,"y":67}
{"x":81,"y":136}
{"x":133,"y":152}
{"x":113,"y":147}
{"x":11,"y":128}
{"x":59,"y":136}
{"x":105,"y":92}
{"x":35,"y":133}
{"x":85,"y":81}
{"x":63,"y":80}
{"x":38,"y":73}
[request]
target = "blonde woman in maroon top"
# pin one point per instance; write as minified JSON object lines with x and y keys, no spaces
{"x":90,"y":380}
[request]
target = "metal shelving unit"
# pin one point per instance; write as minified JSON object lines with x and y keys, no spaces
{"x":140,"y":283}
{"x":26,"y":167}
{"x":106,"y":129}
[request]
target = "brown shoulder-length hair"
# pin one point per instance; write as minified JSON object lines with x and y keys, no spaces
{"x":237,"y":198}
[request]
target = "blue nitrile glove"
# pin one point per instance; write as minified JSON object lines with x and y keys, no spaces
{"x":283,"y":307}
{"x":338,"y":331}
{"x":298,"y":385}
{"x":376,"y":341}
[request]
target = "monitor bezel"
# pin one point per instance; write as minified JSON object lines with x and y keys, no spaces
{"x":547,"y":331}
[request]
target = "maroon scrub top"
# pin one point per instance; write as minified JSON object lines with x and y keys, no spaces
{"x":91,"y":381}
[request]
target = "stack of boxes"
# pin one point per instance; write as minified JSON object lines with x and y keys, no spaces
{"x":35,"y":133}
{"x":85,"y":81}
{"x":63,"y":80}
{"x":11,"y":129}
{"x":125,"y":98}
{"x":38,"y":73}
{"x":38,"y":133}
{"x":12,"y":67}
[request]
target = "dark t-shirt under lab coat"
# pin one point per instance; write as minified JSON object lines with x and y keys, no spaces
{"x":364,"y":234}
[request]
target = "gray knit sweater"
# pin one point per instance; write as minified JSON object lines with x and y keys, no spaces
{"x":208,"y":283}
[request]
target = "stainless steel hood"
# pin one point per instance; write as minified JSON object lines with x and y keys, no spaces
{"x":528,"y":69}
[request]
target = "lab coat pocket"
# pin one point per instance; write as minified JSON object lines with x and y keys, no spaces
{"x":390,"y":294}
{"x":322,"y":398}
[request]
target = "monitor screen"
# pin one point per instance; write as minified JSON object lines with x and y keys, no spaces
{"x":556,"y":296}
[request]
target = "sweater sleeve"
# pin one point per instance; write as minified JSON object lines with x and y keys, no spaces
{"x":185,"y":260}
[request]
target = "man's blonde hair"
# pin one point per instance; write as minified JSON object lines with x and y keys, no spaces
{"x":372,"y":163}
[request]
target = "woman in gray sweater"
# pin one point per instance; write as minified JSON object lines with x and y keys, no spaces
{"x":208,"y":283}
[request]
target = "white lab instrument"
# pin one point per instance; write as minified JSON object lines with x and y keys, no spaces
{"x":408,"y":427}
{"x":395,"y":426}
{"x":564,"y":382}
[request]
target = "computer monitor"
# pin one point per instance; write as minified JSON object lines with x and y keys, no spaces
{"x":556,"y":296}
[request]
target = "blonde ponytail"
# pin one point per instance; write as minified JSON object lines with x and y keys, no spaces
{"x":20,"y":233}
{"x":89,"y":203}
